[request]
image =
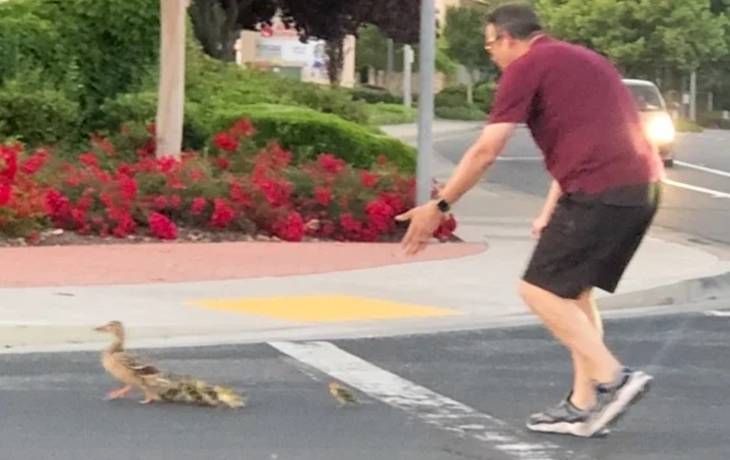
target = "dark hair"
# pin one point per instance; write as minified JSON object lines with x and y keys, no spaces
{"x":517,"y":19}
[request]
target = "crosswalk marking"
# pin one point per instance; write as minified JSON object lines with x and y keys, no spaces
{"x":694,"y":188}
{"x":432,"y":408}
{"x":720,"y":313}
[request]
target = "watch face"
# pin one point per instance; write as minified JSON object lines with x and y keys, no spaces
{"x":443,"y":206}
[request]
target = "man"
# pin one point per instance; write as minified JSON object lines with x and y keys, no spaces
{"x":601,"y":202}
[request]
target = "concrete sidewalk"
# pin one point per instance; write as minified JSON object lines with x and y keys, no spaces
{"x":183,"y":294}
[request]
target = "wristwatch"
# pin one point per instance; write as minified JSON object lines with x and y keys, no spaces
{"x":443,"y":205}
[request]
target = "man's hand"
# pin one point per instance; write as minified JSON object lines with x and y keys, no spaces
{"x":424,"y":220}
{"x":538,"y":225}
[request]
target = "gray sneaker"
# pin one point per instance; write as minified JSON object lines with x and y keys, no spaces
{"x":615,"y":398}
{"x":564,"y":418}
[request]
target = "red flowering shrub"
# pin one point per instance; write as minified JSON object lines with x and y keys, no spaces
{"x":119,"y":188}
{"x":226,"y":142}
{"x":290,"y":228}
{"x":162,"y":227}
{"x":22,"y":200}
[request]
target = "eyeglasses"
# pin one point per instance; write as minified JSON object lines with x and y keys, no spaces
{"x":489,"y":43}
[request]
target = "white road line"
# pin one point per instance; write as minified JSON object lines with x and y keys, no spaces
{"x":694,"y":188}
{"x":432,"y":408}
{"x":702,"y":168}
{"x":720,"y":313}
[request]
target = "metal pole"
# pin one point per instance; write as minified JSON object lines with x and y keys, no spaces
{"x":427,"y":68}
{"x":407,"y":75}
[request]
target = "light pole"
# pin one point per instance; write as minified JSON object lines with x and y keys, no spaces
{"x":407,"y":75}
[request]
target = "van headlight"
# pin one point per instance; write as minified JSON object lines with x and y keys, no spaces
{"x":660,"y":129}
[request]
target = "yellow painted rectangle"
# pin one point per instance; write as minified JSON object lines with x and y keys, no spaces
{"x":320,"y":308}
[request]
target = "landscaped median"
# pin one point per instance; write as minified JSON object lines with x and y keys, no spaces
{"x":118,"y":188}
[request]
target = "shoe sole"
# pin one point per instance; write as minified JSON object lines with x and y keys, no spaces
{"x":635,"y":390}
{"x":579,"y":430}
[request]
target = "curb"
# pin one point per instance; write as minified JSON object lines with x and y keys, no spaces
{"x":690,"y":291}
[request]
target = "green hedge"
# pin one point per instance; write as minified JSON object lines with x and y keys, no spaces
{"x":84,"y":51}
{"x":214,"y":83}
{"x":391,"y":114}
{"x":711,"y":120}
{"x":142,"y":108}
{"x":27,"y":41}
{"x":37,"y":113}
{"x":112,"y":42}
{"x":466,"y":113}
{"x":309,"y":133}
{"x":374,"y":95}
{"x":455,"y":96}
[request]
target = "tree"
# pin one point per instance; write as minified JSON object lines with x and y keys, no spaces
{"x":333,"y":20}
{"x":217,"y":23}
{"x":657,"y":39}
{"x":464,"y":36}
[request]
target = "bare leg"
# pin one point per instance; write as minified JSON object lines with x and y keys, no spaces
{"x":584,"y":395}
{"x":572,"y":327}
{"x":118,"y":393}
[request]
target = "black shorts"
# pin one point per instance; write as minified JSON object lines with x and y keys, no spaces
{"x":591,"y":239}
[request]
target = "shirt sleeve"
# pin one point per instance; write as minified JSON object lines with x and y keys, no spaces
{"x":515,"y":95}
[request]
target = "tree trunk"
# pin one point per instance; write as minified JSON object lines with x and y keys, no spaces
{"x":171,"y":94}
{"x":216,"y":26}
{"x":335,"y":59}
{"x":230,"y":31}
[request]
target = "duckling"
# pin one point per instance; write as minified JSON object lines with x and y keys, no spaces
{"x":341,"y":394}
{"x":154,"y":384}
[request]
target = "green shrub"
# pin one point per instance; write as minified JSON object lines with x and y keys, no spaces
{"x":37,"y":113}
{"x":484,"y":94}
{"x":455,"y":96}
{"x":683,"y":125}
{"x":309,"y":133}
{"x":374,"y":94}
{"x":711,"y":120}
{"x":391,"y":114}
{"x":142,"y":108}
{"x":451,"y":96}
{"x":85,"y":51}
{"x":213,"y":83}
{"x":323,"y":99}
{"x":466,"y":113}
{"x":27,"y":41}
{"x":113,"y":43}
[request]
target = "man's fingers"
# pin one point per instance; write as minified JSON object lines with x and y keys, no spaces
{"x":403,"y":217}
{"x":414,"y":241}
{"x":409,"y":236}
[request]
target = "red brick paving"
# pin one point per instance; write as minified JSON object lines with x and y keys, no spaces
{"x":180,"y":262}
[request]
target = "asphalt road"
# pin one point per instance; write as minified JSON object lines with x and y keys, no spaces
{"x":697,"y":202}
{"x":51,"y":404}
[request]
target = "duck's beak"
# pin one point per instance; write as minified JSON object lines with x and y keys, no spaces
{"x":101,"y":328}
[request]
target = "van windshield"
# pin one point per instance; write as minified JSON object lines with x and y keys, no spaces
{"x":647,"y":97}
